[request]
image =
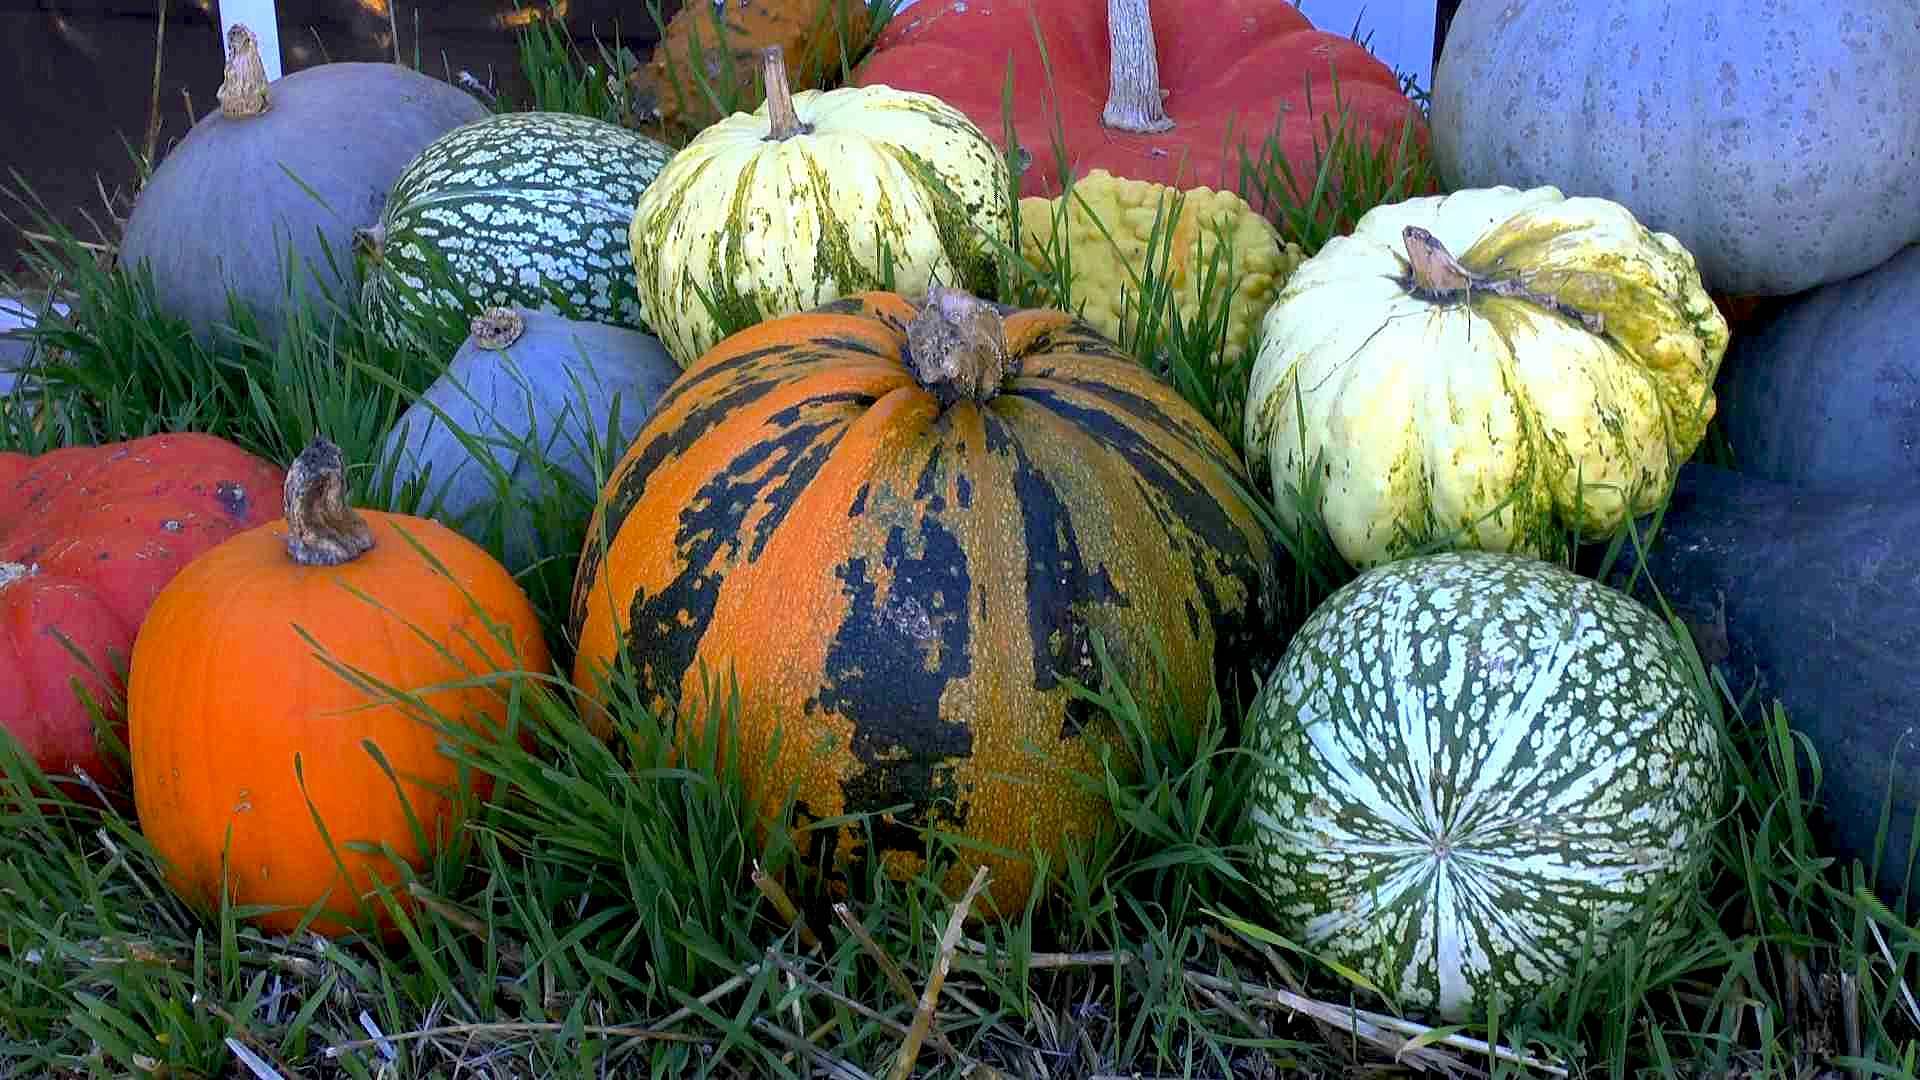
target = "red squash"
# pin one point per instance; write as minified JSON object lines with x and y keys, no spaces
{"x":88,"y":536}
{"x":1224,"y":72}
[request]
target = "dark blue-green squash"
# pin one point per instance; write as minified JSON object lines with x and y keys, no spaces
{"x":1826,"y":393}
{"x":1813,"y":599}
{"x":545,"y":399}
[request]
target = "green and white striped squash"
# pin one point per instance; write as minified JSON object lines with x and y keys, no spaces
{"x":813,"y":197}
{"x":520,"y":209}
{"x":1473,"y":765}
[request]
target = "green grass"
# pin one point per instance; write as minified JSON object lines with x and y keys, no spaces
{"x":611,"y":910}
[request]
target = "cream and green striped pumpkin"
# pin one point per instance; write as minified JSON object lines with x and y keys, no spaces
{"x":1470,"y":760}
{"x":518,"y":207}
{"x":741,"y":228}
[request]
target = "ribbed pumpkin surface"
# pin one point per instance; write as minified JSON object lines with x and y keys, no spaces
{"x":905,"y":586}
{"x":1473,"y":760}
{"x":520,"y":207}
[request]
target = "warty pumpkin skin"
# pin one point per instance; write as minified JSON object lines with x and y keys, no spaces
{"x":900,"y":561}
{"x":1552,"y":376}
{"x":88,"y":537}
{"x":224,"y":693}
{"x":774,"y":212}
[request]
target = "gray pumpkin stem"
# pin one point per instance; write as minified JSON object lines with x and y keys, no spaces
{"x":322,"y":529}
{"x":243,"y":92}
{"x":497,"y":328}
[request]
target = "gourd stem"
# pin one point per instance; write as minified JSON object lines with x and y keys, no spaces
{"x":957,"y":347}
{"x":782,"y":122}
{"x":371,"y":241}
{"x":243,"y":92}
{"x":1436,"y":275}
{"x":11,"y":572}
{"x":497,"y":328}
{"x":322,"y":530}
{"x":1134,"y":100}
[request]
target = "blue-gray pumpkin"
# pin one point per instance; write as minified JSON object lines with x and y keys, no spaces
{"x":1778,"y":142}
{"x":1826,"y":393}
{"x":532,"y":403}
{"x":267,"y":192}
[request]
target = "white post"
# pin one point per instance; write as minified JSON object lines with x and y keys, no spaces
{"x":1401,"y":30}
{"x":263,"y":20}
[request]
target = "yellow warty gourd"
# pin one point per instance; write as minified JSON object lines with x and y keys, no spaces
{"x":1109,"y":265}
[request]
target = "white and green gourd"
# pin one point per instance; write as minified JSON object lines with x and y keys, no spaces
{"x":1474,"y":765}
{"x":812,"y":197}
{"x":526,"y":209}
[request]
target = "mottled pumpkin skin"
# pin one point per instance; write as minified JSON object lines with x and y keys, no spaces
{"x":906,"y":588}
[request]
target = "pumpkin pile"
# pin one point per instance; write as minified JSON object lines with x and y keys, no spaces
{"x":910,"y":519}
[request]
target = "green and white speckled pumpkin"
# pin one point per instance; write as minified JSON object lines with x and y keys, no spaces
{"x":1549,"y":379}
{"x":522,"y":207}
{"x":813,"y":197}
{"x":1468,"y":760}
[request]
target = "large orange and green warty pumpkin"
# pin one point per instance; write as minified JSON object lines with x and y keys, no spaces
{"x":900,"y":527}
{"x":234,"y":680}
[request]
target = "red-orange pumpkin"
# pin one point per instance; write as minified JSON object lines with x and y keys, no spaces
{"x":88,"y":537}
{"x":1228,"y":71}
{"x":225,"y":695}
{"x":900,"y":527}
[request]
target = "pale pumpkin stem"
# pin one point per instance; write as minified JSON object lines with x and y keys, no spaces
{"x":782,"y":121}
{"x":496,"y":328}
{"x":1438,"y":276}
{"x":957,"y":346}
{"x":322,"y":530}
{"x":1134,"y":100}
{"x":371,"y":241}
{"x":243,"y":92}
{"x":11,"y":572}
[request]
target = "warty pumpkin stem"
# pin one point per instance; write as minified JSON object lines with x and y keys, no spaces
{"x":1134,"y":101}
{"x":1438,"y":276}
{"x":957,"y":346}
{"x":243,"y":92}
{"x":322,"y":529}
{"x":782,"y":122}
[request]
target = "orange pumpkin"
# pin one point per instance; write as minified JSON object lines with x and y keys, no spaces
{"x":224,"y":696}
{"x":900,"y":527}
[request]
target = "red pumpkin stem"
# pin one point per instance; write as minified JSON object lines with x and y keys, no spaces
{"x":243,"y":92}
{"x":497,"y":328}
{"x":1134,"y":100}
{"x":957,"y":346}
{"x":1436,"y":275}
{"x":322,"y":530}
{"x":782,"y":122}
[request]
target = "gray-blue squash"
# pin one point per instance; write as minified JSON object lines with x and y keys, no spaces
{"x":248,"y":188}
{"x":1826,"y":393}
{"x":535,"y":394}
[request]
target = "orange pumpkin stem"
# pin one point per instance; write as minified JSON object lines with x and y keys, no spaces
{"x":1134,"y":100}
{"x":243,"y":92}
{"x":782,"y":122}
{"x":497,"y":328}
{"x":957,"y":346}
{"x":322,"y":530}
